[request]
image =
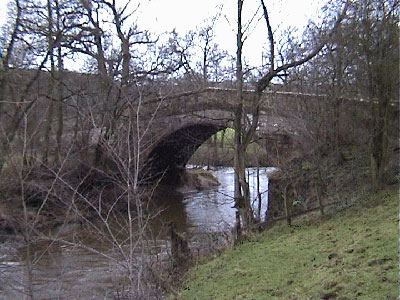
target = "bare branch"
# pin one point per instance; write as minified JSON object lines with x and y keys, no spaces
{"x":263,"y":83}
{"x":270,"y":36}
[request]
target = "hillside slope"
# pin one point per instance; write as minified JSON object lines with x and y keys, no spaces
{"x":350,"y":254}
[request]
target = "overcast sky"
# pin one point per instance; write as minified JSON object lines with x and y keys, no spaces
{"x":183,"y":15}
{"x":165,"y":15}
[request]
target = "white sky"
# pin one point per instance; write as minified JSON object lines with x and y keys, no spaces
{"x":183,"y":15}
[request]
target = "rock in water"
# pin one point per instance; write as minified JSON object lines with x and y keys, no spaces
{"x":197,"y":179}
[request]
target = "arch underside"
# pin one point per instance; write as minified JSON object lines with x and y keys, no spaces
{"x":169,"y":157}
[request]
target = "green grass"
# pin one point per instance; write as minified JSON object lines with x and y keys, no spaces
{"x":211,"y":153}
{"x":351,"y":254}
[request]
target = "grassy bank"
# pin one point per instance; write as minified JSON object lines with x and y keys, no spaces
{"x":349,"y":254}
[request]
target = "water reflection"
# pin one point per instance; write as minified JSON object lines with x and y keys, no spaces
{"x":171,"y":207}
{"x":212,"y":210}
{"x":68,"y":272}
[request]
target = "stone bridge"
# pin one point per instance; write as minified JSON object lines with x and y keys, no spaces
{"x":184,"y":121}
{"x":178,"y":122}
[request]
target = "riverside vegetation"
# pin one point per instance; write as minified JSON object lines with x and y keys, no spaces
{"x":350,"y":253}
{"x":219,"y":151}
{"x":73,"y":146}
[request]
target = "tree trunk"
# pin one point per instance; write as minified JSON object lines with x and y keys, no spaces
{"x":51,"y":89}
{"x":242,"y":197}
{"x":378,"y":147}
{"x":60,"y":118}
{"x":4,"y":68}
{"x":47,"y":126}
{"x":258,"y":190}
{"x":59,"y":90}
{"x":238,"y":122}
{"x":215,"y":146}
{"x":126,"y":58}
{"x":287,"y":205}
{"x":222,"y":140}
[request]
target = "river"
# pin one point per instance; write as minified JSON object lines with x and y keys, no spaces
{"x":62,"y":271}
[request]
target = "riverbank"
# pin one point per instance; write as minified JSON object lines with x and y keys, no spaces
{"x":196,"y":179}
{"x":47,"y":213}
{"x":203,"y":216}
{"x":347,"y":254}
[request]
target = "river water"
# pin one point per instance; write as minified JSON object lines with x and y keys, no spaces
{"x":62,"y":271}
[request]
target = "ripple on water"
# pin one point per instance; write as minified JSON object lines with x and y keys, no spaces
{"x":74,"y":273}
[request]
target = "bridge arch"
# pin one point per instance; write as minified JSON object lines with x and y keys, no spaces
{"x":169,"y":156}
{"x":180,"y":133}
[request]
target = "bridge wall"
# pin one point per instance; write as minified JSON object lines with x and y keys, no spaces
{"x":292,"y":126}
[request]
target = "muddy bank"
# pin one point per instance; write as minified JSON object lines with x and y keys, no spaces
{"x":46,"y":201}
{"x":69,"y":204}
{"x":203,"y":218}
{"x":196,"y":180}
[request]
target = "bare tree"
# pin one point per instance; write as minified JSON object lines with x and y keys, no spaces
{"x":244,"y":134}
{"x":360,"y":62}
{"x":377,"y":74}
{"x":48,"y":86}
{"x":24,"y":49}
